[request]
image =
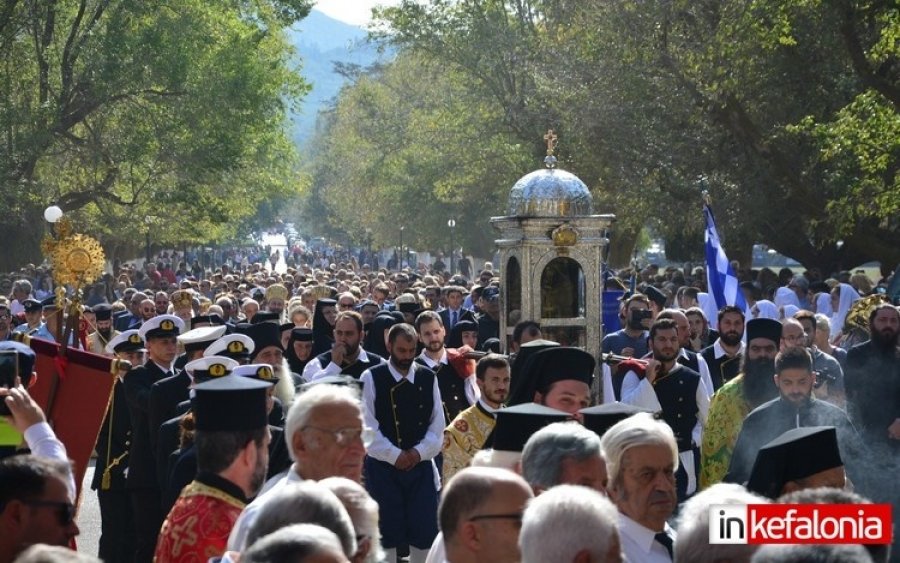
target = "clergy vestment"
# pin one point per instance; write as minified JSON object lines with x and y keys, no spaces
{"x":198,"y":526}
{"x":726,"y":416}
{"x":465,"y":436}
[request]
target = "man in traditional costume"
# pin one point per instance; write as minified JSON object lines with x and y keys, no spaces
{"x":231,"y":439}
{"x":470,"y":430}
{"x":730,"y":405}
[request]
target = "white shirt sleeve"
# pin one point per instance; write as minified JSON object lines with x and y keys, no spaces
{"x":473,"y":392}
{"x":42,"y":442}
{"x":430,"y":446}
{"x":705,"y":378}
{"x":381,"y":448}
{"x":639,"y":392}
{"x":311,"y":369}
{"x":609,"y":393}
{"x":331,"y":369}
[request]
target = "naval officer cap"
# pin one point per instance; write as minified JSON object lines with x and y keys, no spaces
{"x":128,"y":341}
{"x":201,"y":338}
{"x":235,"y":346}
{"x":259,"y":372}
{"x":161,"y":326}
{"x":230,"y":404}
{"x":209,"y":367}
{"x":32,"y":305}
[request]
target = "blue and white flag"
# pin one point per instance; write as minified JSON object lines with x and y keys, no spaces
{"x":721,"y":280}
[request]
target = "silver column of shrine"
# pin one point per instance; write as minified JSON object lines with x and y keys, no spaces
{"x":551,"y":248}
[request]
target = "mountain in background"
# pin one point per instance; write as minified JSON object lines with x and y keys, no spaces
{"x":320,"y":42}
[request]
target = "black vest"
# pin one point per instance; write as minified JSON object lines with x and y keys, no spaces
{"x":721,"y":369}
{"x":453,"y":390}
{"x":677,"y":393}
{"x":356,"y":368}
{"x":403,"y":409}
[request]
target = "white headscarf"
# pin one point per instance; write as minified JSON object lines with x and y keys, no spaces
{"x":766,"y":310}
{"x":848,"y":297}
{"x":790,"y":310}
{"x":786,"y":296}
{"x":823,"y":304}
{"x":708,"y":304}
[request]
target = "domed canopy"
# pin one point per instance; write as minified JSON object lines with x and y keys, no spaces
{"x":550,"y":192}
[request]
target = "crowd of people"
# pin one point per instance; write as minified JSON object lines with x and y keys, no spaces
{"x":340,"y":412}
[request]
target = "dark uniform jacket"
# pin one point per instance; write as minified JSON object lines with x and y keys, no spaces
{"x":113,"y":443}
{"x":141,"y":466}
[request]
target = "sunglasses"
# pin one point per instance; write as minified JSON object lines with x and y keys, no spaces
{"x":65,"y":510}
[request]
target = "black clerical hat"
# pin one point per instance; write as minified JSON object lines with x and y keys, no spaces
{"x":798,"y":453}
{"x":263,"y":335}
{"x":102,"y":311}
{"x":211,"y":320}
{"x":230,"y":404}
{"x":466,"y":326}
{"x":601,"y":418}
{"x":519,"y":364}
{"x":769,"y":329}
{"x":558,"y":363}
{"x":265,"y":317}
{"x":302,"y":334}
{"x":655,"y":295}
{"x":516,"y":424}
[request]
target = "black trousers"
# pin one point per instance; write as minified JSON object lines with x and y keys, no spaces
{"x":148,"y":519}
{"x":117,"y":526}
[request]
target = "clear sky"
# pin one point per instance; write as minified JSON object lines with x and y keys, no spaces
{"x":355,"y":12}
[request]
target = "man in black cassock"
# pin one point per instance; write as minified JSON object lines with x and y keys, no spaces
{"x":796,"y":407}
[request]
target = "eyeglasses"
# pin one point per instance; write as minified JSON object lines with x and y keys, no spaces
{"x":344,"y":437}
{"x":517,"y":516}
{"x":65,"y":510}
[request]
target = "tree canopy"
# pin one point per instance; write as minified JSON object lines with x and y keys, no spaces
{"x":787,"y":112}
{"x":139,"y":115}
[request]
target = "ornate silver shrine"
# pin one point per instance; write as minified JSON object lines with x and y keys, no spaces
{"x":551,"y":248}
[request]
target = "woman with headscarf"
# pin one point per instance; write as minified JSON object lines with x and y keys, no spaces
{"x":376,"y":332}
{"x":323,"y":325}
{"x":786,"y":296}
{"x":823,"y":304}
{"x":298,"y":352}
{"x":764,"y":309}
{"x":842,"y":298}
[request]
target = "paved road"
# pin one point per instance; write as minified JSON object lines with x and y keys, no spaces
{"x":88,"y":516}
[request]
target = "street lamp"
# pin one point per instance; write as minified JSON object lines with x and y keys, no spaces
{"x":53,"y":214}
{"x":400,"y":252}
{"x":149,"y":220}
{"x":452,"y":224}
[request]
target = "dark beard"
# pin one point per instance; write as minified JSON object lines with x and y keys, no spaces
{"x":105,"y":334}
{"x":731,"y":340}
{"x":885,"y":343}
{"x":759,"y":383}
{"x":402,"y":365}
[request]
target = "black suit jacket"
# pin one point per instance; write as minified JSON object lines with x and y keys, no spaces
{"x":141,"y":466}
{"x":167,"y":442}
{"x":113,"y":441}
{"x":164,"y":398}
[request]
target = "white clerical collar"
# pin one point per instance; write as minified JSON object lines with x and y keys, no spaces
{"x":487,"y":407}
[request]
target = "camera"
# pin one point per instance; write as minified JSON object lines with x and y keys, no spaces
{"x":9,"y":370}
{"x":640,"y":315}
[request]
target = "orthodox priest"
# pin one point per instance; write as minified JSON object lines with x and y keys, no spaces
{"x":231,"y":439}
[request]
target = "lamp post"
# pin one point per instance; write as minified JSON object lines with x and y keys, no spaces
{"x":148,"y":221}
{"x":452,"y":224}
{"x":400,"y":252}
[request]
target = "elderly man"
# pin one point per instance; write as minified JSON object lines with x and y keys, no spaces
{"x":564,"y":453}
{"x":570,"y":524}
{"x":480,"y":513}
{"x":326,"y":438}
{"x":36,"y":505}
{"x":641,"y":458}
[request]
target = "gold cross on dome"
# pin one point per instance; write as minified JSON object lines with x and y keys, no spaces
{"x":551,"y":139}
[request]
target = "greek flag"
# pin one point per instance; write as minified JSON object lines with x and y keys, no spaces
{"x":721,"y":281}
